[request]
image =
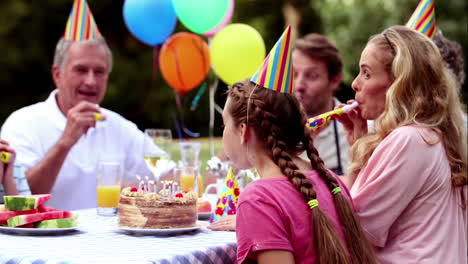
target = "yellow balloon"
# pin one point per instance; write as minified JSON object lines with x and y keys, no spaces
{"x":236,"y":52}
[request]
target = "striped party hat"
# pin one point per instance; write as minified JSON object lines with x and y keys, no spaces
{"x":81,"y":24}
{"x":423,"y":18}
{"x":275,"y":73}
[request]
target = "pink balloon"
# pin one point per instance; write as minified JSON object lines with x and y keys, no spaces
{"x":224,"y":22}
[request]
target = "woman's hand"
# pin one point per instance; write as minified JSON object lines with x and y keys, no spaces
{"x":225,"y":223}
{"x":355,"y":126}
{"x":6,"y":169}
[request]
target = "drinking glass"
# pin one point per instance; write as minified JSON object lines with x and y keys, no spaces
{"x":155,"y":141}
{"x":161,"y":138}
{"x":108,"y":188}
{"x":187,"y":176}
{"x":189,"y":152}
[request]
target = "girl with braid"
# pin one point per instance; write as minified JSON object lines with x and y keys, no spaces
{"x":409,"y":177}
{"x":298,"y":212}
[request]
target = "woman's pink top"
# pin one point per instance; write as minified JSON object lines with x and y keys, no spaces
{"x":407,"y":204}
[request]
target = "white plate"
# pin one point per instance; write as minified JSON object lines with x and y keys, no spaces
{"x":204,"y":216}
{"x":160,"y":232}
{"x":36,"y":231}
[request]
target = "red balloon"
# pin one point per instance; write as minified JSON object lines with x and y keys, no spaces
{"x":184,"y":61}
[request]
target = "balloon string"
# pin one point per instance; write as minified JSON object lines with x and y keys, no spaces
{"x":178,"y":101}
{"x":188,"y":132}
{"x":155,"y":64}
{"x":195,"y":100}
{"x":179,"y":132}
{"x":212,"y":92}
{"x":182,"y":123}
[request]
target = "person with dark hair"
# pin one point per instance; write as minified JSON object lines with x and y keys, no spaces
{"x":409,"y":177}
{"x":452,"y":54}
{"x":298,"y":211}
{"x":317,"y":75}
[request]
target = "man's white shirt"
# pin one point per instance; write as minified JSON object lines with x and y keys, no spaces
{"x":33,"y":130}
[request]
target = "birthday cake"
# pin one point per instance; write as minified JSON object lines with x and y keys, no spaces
{"x":149,"y":210}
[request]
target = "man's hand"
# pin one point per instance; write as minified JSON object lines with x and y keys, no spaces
{"x":355,"y":126}
{"x":80,"y":118}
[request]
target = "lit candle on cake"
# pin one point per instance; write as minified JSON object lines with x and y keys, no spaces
{"x":147,"y":184}
{"x":141,"y":186}
{"x":174,"y":188}
{"x":139,"y":180}
{"x":153,"y":186}
{"x":164,"y":188}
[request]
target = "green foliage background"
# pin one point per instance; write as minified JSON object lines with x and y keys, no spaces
{"x":30,"y":29}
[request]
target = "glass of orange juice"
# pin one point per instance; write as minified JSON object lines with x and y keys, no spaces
{"x":187,"y":176}
{"x":108,"y":188}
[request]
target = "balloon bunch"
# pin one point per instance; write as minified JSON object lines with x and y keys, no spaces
{"x":185,"y":59}
{"x":236,"y":50}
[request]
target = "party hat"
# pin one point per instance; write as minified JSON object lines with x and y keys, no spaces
{"x":423,"y":18}
{"x":81,"y":24}
{"x":227,"y":200}
{"x":275,"y":73}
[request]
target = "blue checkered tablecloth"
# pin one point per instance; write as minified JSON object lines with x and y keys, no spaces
{"x":100,"y":241}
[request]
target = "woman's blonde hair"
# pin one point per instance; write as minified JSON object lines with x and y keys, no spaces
{"x":424,"y":93}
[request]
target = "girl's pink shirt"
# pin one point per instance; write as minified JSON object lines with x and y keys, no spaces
{"x":406,"y":202}
{"x":272,"y":215}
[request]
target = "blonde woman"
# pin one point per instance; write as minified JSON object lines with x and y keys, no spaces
{"x":409,"y":178}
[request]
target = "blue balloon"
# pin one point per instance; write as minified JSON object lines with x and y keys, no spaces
{"x":150,"y":21}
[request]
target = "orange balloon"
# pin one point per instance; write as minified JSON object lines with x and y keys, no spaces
{"x":184,"y":61}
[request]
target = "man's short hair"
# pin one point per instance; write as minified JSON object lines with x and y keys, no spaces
{"x":319,"y":47}
{"x":61,"y":51}
{"x":452,"y":54}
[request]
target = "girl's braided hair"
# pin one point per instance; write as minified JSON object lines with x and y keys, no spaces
{"x":278,"y":119}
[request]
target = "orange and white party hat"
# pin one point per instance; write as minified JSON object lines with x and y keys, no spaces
{"x":423,"y":18}
{"x":81,"y":24}
{"x":275,"y":73}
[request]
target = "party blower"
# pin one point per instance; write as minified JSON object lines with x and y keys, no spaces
{"x":5,"y":156}
{"x":322,"y":120}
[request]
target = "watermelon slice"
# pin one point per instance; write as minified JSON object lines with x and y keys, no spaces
{"x":30,"y":225}
{"x":25,"y":202}
{"x":42,"y":209}
{"x":56,"y":223}
{"x":32,"y":218}
{"x":4,"y":216}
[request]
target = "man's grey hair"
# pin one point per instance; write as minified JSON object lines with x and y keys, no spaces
{"x":61,"y":51}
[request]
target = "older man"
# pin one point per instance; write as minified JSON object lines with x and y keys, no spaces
{"x":60,"y":141}
{"x":317,"y":74}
